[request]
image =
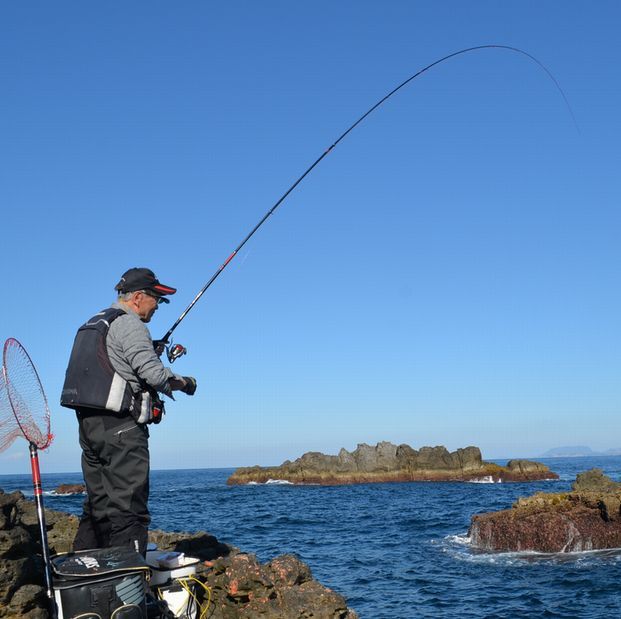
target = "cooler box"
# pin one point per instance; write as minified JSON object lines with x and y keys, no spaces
{"x":166,"y":566}
{"x":100,"y":584}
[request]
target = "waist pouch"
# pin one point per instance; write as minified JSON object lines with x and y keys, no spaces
{"x":106,"y":583}
{"x":149,"y":407}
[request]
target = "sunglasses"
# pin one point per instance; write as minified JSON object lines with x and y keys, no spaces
{"x":159,"y":300}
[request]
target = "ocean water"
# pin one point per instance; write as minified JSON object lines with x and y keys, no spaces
{"x":393,"y":550}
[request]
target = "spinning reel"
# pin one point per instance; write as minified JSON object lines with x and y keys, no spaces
{"x":173,"y":351}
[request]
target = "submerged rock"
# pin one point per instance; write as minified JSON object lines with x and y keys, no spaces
{"x":387,"y":463}
{"x":70,"y":489}
{"x":240,"y":585}
{"x":586,"y":518}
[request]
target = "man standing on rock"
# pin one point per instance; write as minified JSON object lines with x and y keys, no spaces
{"x":112,"y":382}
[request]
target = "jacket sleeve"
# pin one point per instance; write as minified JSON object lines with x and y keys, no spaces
{"x":137,"y":350}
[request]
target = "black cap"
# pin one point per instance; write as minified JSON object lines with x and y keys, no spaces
{"x":143,"y":279}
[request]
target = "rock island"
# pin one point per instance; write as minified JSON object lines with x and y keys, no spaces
{"x":387,"y":462}
{"x":586,"y":518}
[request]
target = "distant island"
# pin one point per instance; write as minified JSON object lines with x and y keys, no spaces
{"x":578,"y":451}
{"x":392,"y":463}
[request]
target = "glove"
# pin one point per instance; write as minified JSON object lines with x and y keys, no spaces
{"x":190,"y":385}
{"x":159,"y":346}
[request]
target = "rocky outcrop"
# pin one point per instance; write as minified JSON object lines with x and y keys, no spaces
{"x":387,"y":463}
{"x":70,"y":489}
{"x":586,"y":518}
{"x":240,"y":585}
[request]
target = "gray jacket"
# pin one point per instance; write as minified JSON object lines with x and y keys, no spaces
{"x":131,"y":353}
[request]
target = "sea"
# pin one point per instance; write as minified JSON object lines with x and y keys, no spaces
{"x":394,"y":550}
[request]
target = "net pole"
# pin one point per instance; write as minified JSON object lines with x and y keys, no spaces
{"x":38,"y":496}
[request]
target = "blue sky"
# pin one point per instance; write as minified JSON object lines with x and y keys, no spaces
{"x":447,"y":275}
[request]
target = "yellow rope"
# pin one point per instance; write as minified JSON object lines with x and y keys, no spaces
{"x":204,"y":608}
{"x":184,"y":584}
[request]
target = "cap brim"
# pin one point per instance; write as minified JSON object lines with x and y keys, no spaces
{"x":161,"y":289}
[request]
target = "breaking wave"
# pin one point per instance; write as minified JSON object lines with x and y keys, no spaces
{"x":488,"y":479}
{"x":460,"y":547}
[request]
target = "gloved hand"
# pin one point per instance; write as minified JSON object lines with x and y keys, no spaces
{"x":190,"y":385}
{"x":159,"y":346}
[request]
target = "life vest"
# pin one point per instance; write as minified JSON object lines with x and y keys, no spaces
{"x":92,"y":382}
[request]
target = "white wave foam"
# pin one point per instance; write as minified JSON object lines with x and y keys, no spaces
{"x":460,"y":547}
{"x":271,"y":482}
{"x":461,"y":540}
{"x":30,"y":493}
{"x":488,"y":479}
{"x":578,"y":559}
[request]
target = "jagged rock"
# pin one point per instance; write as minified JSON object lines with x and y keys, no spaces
{"x":201,"y":545}
{"x":525,"y":470}
{"x":587,"y":518}
{"x":241,"y":587}
{"x":289,"y":570}
{"x":281,"y":588}
{"x":382,"y":457}
{"x":28,"y":598}
{"x":70,"y":489}
{"x":594,"y":480}
{"x":525,"y":466}
{"x":387,"y":462}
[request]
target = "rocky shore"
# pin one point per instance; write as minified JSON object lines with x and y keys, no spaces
{"x":586,"y":518}
{"x":393,"y":463}
{"x":241,"y":586}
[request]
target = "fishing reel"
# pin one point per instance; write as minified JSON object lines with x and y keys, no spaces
{"x":173,"y":351}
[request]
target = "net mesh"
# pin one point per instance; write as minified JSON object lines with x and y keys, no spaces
{"x":9,"y":430}
{"x":25,"y":395}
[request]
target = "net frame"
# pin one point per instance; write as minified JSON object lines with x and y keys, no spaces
{"x":26,"y":395}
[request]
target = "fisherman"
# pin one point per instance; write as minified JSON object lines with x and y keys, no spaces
{"x":112,"y":381}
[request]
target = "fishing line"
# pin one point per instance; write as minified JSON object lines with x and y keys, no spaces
{"x":280,"y":200}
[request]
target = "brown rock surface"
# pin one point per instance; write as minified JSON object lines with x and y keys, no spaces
{"x":586,"y":518}
{"x":70,"y":489}
{"x":241,"y":587}
{"x":387,"y":463}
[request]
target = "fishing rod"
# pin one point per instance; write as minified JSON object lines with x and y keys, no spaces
{"x":175,"y":351}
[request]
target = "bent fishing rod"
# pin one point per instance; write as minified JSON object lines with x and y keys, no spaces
{"x":175,"y":351}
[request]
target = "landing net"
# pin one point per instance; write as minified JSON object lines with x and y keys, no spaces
{"x":26,"y":397}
